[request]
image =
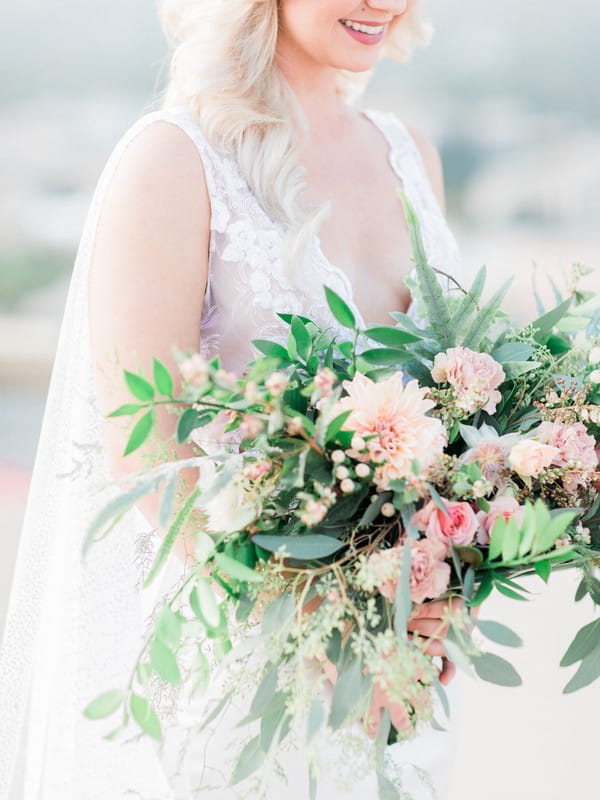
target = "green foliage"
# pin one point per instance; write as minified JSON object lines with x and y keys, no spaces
{"x":104,"y":705}
{"x":340,"y":309}
{"x":139,"y":387}
{"x":171,"y":536}
{"x":494,"y":669}
{"x":584,"y":648}
{"x":140,"y":433}
{"x":162,"y":379}
{"x":145,"y":716}
{"x":308,"y":547}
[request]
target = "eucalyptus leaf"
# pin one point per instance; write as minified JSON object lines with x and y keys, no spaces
{"x":588,"y":672}
{"x":104,"y":705}
{"x":402,"y":602}
{"x":346,"y":693}
{"x":303,"y":548}
{"x":145,"y":716}
{"x":497,"y":670}
{"x":316,"y":717}
{"x":586,"y":640}
{"x":499,"y":633}
{"x":265,"y":691}
{"x":249,"y":760}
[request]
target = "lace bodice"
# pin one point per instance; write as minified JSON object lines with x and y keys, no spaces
{"x":247,"y":283}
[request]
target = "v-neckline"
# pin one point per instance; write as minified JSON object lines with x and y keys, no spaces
{"x":332,"y":268}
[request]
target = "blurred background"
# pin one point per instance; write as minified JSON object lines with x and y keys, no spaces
{"x":510,"y":94}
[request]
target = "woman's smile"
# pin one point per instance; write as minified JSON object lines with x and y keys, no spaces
{"x":364,"y":32}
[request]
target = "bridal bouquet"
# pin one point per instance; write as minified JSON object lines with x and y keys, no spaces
{"x":355,"y":479}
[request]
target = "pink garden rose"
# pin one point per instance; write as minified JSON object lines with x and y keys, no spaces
{"x":576,"y":448}
{"x":475,"y":378}
{"x":505,"y":506}
{"x":397,"y":415}
{"x":458,"y":526}
{"x":429,"y":573}
{"x":528,"y":458}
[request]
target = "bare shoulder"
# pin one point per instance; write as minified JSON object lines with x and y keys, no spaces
{"x":161,"y":158}
{"x":432,"y":162}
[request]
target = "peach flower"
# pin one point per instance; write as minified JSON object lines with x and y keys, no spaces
{"x":505,"y":506}
{"x":475,"y":378}
{"x":528,"y":457}
{"x":458,"y":526}
{"x":395,"y":416}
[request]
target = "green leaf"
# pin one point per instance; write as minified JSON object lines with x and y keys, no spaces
{"x":167,"y":501}
{"x":507,"y":592}
{"x":265,"y":691}
{"x":140,"y":432}
{"x":168,"y":627}
{"x":390,"y":336}
{"x":485,"y":318}
{"x":304,"y":548}
{"x":346,"y":693}
{"x":162,"y":379}
{"x":543,"y":569}
{"x":483,"y":591}
{"x":544,"y":324}
{"x":497,"y":537}
{"x":302,"y":338}
{"x":316,"y":717}
{"x":272,"y":719}
{"x":272,"y":349}
{"x":236,"y":569}
{"x":436,"y":304}
{"x":588,"y":672}
{"x":336,"y":425}
{"x":469,"y":555}
{"x":386,"y":789}
{"x":469,"y":302}
{"x":139,"y":387}
{"x":145,"y":716}
{"x":384,"y":356}
{"x":250,"y":759}
{"x":333,"y":647}
{"x":278,"y":614}
{"x":204,"y":603}
{"x":190,"y":420}
{"x":104,"y":705}
{"x":512,"y":351}
{"x":164,"y":662}
{"x":510,"y":542}
{"x":128,"y":408}
{"x":493,"y":669}
{"x":499,"y":633}
{"x":171,"y":536}
{"x":586,"y":640}
{"x":402,"y":601}
{"x":340,"y":309}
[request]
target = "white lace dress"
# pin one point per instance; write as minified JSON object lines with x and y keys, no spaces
{"x":74,"y":629}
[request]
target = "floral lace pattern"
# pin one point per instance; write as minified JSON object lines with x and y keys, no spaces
{"x":247,"y":282}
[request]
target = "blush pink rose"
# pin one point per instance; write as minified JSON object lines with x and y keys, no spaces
{"x":528,"y":458}
{"x":475,"y":378}
{"x":458,"y":526}
{"x":575,"y":445}
{"x":429,"y":573}
{"x":505,"y":506}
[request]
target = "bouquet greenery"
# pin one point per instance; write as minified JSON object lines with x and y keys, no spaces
{"x":357,"y":479}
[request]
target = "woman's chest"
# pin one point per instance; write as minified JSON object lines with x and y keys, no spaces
{"x":365,"y":235}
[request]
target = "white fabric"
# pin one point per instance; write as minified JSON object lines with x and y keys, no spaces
{"x":74,"y":629}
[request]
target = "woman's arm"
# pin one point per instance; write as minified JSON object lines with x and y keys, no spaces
{"x":147,"y":282}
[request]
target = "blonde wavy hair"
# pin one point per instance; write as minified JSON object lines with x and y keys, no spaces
{"x":223,"y":71}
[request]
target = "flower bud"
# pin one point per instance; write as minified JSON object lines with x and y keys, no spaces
{"x":342,"y":472}
{"x":388,"y":510}
{"x":338,"y":456}
{"x":347,"y":486}
{"x":362,"y":470}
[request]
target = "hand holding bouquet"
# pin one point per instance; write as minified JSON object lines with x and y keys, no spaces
{"x":356,"y":481}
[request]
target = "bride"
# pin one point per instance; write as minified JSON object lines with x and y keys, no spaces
{"x":255,"y":183}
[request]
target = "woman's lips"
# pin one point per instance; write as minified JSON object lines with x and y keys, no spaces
{"x":361,"y":36}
